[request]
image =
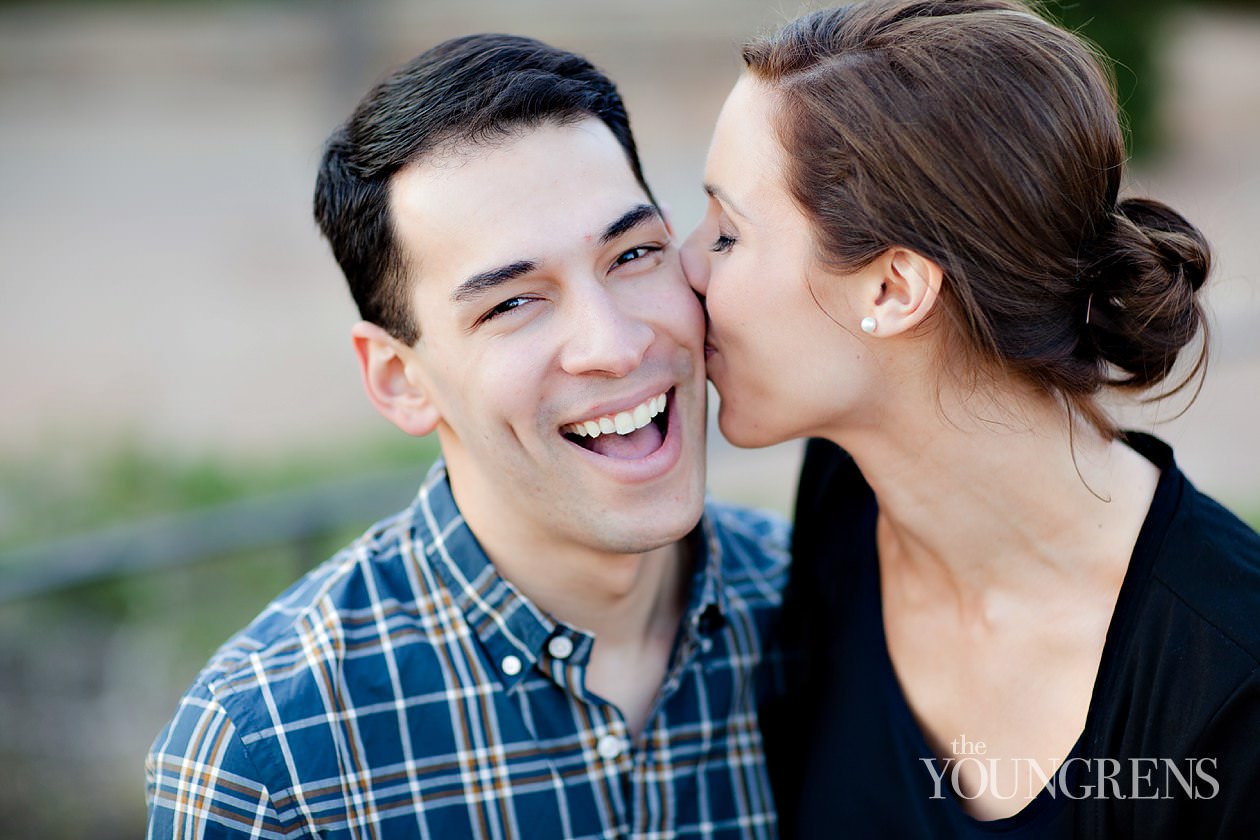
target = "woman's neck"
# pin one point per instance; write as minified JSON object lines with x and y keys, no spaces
{"x":975,"y":504}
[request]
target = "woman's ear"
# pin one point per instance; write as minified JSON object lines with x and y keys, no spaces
{"x":908,"y":286}
{"x":392,"y":380}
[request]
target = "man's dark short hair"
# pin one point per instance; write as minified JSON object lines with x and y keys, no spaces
{"x":474,"y":89}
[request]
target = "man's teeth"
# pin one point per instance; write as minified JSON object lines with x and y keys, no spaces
{"x":623,"y":422}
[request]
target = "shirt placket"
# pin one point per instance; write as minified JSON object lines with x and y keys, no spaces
{"x":645,"y":772}
{"x":619,"y":763}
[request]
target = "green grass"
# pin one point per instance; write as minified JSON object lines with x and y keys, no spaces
{"x":54,"y":494}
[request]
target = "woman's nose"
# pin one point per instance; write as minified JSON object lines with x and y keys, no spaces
{"x":695,"y":262}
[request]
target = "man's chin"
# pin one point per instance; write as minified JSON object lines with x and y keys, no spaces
{"x":652,"y":530}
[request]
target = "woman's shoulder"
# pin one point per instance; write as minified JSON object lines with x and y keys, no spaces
{"x":1206,"y":560}
{"x":1188,"y":682}
{"x":1210,"y":562}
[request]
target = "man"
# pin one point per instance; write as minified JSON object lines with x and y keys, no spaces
{"x":551,"y":641}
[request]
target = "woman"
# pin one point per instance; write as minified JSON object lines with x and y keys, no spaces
{"x":1016,"y":618}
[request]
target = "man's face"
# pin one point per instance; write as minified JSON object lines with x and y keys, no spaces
{"x":550,"y":298}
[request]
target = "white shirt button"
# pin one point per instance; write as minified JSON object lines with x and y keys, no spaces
{"x":511,"y":665}
{"x":610,"y":746}
{"x":561,"y":647}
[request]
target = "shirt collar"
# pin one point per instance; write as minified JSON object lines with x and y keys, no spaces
{"x":512,"y":629}
{"x":509,"y":626}
{"x":707,"y":603}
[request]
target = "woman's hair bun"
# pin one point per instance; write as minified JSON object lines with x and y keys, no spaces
{"x":1141,"y":306}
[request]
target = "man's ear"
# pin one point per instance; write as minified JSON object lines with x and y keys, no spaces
{"x":902,"y":288}
{"x":393,"y":385}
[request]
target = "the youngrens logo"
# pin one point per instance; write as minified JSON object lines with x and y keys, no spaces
{"x":972,"y":774}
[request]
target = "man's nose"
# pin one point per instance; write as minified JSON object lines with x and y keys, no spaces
{"x":604,"y":337}
{"x":695,"y":263}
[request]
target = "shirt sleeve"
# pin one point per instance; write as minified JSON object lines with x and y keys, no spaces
{"x":201,"y":783}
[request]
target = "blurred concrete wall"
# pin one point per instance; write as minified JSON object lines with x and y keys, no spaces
{"x":161,"y":276}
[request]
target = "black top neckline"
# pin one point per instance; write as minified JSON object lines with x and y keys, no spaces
{"x":1137,"y":576}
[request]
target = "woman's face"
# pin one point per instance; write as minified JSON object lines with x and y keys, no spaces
{"x":781,"y":346}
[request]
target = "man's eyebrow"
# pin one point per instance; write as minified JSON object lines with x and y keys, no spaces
{"x":717,"y":192}
{"x":630,"y":219}
{"x":483,"y":282}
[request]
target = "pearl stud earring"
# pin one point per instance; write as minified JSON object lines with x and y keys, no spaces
{"x":869,"y":324}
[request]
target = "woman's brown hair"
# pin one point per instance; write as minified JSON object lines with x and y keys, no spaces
{"x":987,"y":139}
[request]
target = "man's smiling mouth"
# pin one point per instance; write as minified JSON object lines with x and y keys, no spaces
{"x":627,"y":435}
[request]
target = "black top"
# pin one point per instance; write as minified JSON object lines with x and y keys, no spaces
{"x":1171,"y":745}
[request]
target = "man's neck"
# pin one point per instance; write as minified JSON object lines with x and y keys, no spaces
{"x":632,"y":603}
{"x":623,"y":599}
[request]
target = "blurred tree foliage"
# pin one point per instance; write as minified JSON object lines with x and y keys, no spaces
{"x":1129,"y":32}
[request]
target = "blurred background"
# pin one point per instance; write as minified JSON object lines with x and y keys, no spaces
{"x":183,"y":431}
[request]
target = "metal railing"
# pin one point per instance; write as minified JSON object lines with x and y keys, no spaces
{"x":297,"y":517}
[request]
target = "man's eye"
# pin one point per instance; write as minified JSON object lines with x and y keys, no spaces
{"x":635,"y":254}
{"x":507,"y":306}
{"x":723,"y":244}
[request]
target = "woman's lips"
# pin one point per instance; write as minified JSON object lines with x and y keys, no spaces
{"x":709,"y":349}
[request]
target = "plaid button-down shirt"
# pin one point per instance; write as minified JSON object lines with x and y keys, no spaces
{"x":404,"y":689}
